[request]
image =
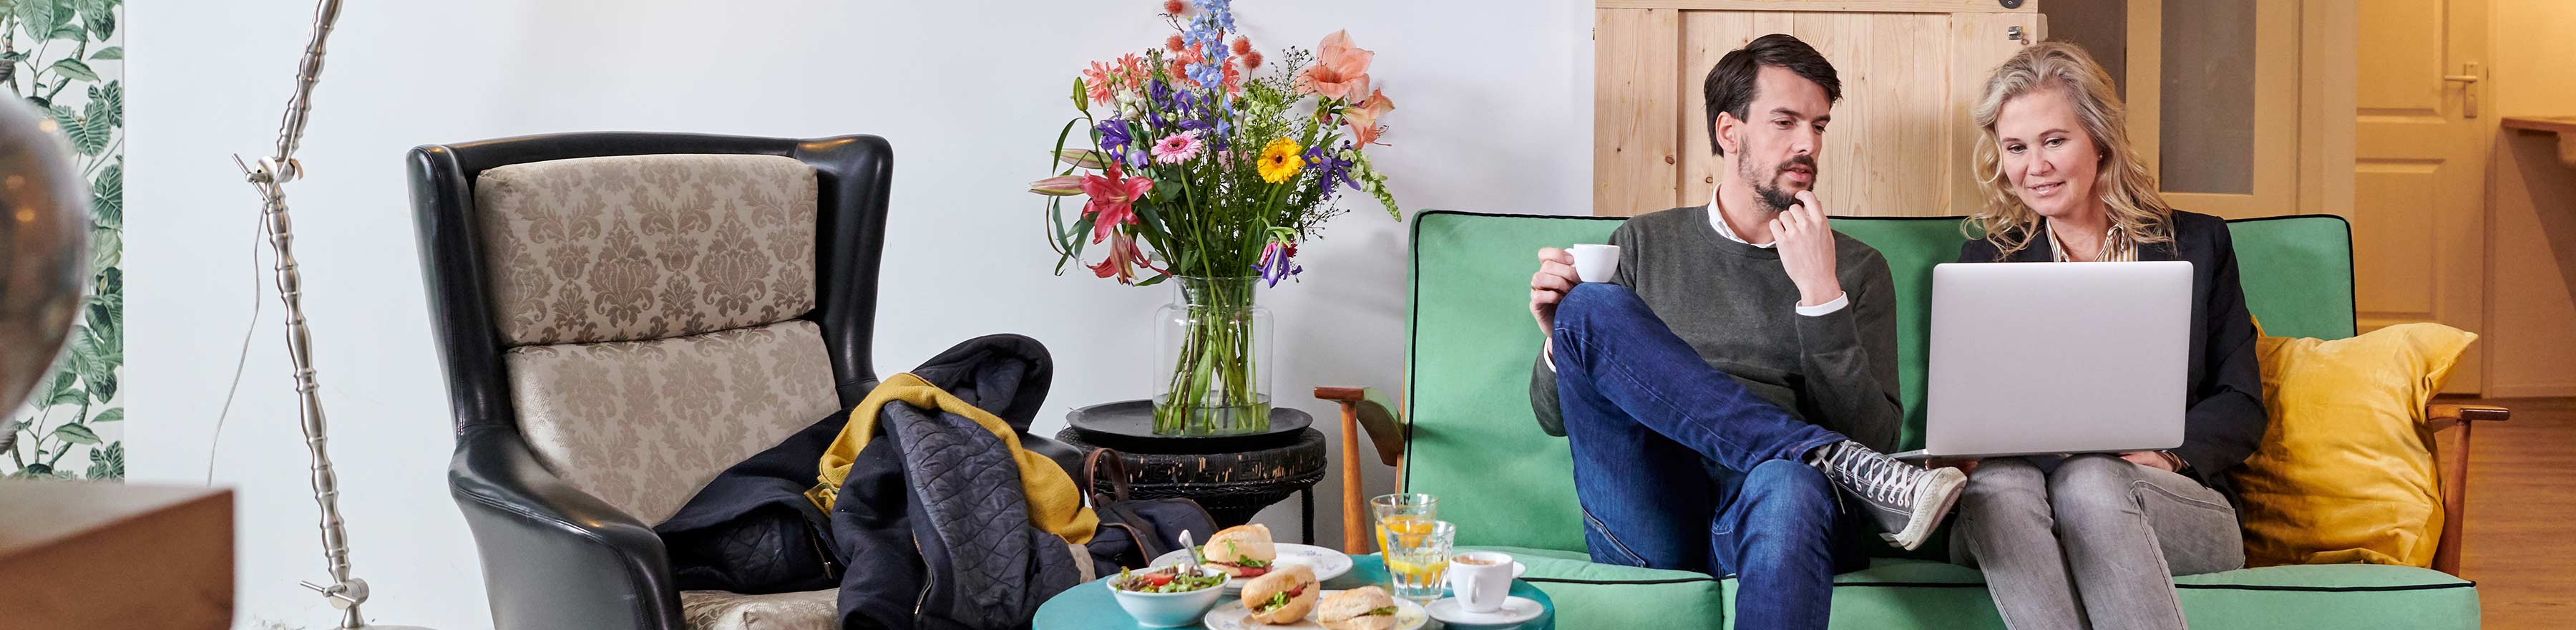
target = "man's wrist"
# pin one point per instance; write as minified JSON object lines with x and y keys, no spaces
{"x":1818,"y":296}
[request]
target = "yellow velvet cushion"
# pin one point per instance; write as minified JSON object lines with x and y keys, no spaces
{"x":2346,"y":473}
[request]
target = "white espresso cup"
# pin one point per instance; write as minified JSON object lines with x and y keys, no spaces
{"x":1595,"y":263}
{"x":1482,"y":579}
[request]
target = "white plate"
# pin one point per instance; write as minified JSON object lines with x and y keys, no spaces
{"x":1230,"y":615}
{"x":1326,"y":563}
{"x":1450,"y":610}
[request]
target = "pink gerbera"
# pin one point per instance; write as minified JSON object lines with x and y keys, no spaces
{"x":1177,"y":148}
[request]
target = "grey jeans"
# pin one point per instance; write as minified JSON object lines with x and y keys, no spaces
{"x":2097,"y":538}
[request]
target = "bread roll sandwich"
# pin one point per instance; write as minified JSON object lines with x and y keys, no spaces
{"x":1281,"y":597}
{"x":1363,"y":608}
{"x":1242,"y":551}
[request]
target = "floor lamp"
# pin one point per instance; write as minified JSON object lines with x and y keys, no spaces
{"x":269,"y":176}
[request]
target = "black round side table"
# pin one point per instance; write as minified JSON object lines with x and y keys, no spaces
{"x":1232,"y":476}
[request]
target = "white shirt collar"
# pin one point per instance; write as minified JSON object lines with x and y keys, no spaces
{"x":1717,"y":219}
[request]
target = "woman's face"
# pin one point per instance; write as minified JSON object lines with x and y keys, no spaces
{"x":2046,"y":154}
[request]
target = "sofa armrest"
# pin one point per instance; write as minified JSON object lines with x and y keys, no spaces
{"x":2441,"y":416}
{"x":2455,"y":475}
{"x":554,"y":556}
{"x":1362,"y":407}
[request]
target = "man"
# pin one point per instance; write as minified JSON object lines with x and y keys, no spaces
{"x":1739,"y":367}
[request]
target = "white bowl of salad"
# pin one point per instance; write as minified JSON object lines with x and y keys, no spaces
{"x":1167,"y":597}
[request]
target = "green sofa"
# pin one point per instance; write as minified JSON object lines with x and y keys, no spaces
{"x":1472,"y":442}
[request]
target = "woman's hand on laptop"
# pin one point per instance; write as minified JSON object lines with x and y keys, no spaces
{"x":2150,"y":459}
{"x":1807,"y":250}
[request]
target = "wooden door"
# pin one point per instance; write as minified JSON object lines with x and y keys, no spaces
{"x":1901,"y":138}
{"x":2214,"y":92}
{"x":2418,"y":217}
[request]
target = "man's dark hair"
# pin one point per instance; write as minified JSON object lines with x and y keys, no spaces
{"x":1730,"y":83}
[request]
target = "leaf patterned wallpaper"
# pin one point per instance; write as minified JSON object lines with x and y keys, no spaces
{"x":68,"y":58}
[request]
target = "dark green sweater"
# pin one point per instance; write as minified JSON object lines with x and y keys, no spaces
{"x":1737,"y":308}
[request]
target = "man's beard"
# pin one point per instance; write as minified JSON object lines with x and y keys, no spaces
{"x":1775,"y":198}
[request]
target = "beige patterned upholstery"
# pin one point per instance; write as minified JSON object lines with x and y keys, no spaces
{"x":647,"y":246}
{"x":643,"y":424}
{"x":719,"y":610}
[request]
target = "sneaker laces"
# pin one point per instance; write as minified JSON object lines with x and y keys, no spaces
{"x":1876,"y":477}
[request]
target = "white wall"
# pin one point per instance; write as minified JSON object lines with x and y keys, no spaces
{"x":1494,"y":114}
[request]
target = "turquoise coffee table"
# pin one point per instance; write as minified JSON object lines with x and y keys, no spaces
{"x":1091,"y":606}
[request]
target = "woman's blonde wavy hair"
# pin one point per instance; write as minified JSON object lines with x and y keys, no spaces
{"x":2121,"y":179}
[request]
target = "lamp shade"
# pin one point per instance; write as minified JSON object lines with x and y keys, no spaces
{"x":44,"y":245}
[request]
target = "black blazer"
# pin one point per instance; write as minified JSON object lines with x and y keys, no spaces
{"x":2226,"y":419}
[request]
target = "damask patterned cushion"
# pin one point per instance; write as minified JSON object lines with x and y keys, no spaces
{"x":643,"y":424}
{"x":646,"y":246}
{"x":720,"y":610}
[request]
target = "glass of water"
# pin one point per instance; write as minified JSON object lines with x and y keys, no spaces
{"x":1417,"y":558}
{"x":1402,"y":512}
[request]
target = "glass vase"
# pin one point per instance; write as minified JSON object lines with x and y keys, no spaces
{"x":1214,"y":343}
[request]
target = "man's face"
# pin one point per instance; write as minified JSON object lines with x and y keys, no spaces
{"x":1776,"y":145}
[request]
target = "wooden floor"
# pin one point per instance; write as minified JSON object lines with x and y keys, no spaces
{"x":2521,"y":545}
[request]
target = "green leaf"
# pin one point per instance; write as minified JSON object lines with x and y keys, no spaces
{"x":91,"y":136}
{"x":111,"y":415}
{"x":64,"y":118}
{"x":107,"y":197}
{"x":75,"y":69}
{"x":100,"y":16}
{"x":107,"y":102}
{"x":108,"y":53}
{"x":100,"y":358}
{"x":70,"y":32}
{"x":76,"y":433}
{"x":106,"y":248}
{"x":107,"y":462}
{"x":36,"y":16}
{"x":65,"y":391}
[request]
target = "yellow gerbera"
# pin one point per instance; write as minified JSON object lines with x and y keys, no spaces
{"x":1280,"y":160}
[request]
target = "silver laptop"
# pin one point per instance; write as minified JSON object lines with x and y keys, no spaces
{"x":2035,"y":358}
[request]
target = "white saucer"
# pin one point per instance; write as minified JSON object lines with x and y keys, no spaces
{"x":1230,"y":615}
{"x":1514,"y":610}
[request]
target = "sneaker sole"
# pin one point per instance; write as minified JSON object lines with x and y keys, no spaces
{"x":1920,"y":526}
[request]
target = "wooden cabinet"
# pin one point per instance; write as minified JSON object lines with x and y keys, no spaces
{"x":1901,"y":138}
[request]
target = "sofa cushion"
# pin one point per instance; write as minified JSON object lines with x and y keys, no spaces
{"x":2346,"y":471}
{"x":1897,"y":593}
{"x":643,"y":424}
{"x":720,"y":610}
{"x":646,"y":246}
{"x":1590,"y":595}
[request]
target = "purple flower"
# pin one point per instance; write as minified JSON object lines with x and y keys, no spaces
{"x":1331,"y":169}
{"x":1117,"y":141}
{"x":1276,"y":264}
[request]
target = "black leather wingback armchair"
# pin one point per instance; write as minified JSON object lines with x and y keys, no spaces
{"x":622,"y":316}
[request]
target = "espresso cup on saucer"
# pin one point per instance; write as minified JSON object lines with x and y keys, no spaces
{"x":1482,"y":579}
{"x":1595,"y":263}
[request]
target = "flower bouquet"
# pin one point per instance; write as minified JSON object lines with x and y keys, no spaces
{"x":1201,"y":166}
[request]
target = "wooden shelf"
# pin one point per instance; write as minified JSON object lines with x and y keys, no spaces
{"x":2563,"y":126}
{"x":81,"y":554}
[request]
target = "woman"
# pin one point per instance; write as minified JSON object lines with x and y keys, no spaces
{"x":2092,"y":540}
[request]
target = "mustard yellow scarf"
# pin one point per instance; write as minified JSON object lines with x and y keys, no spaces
{"x":1055,"y":505}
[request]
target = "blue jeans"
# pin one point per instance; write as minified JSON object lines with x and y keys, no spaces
{"x":1677,"y":466}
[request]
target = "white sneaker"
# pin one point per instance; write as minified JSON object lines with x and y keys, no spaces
{"x":1907,"y":500}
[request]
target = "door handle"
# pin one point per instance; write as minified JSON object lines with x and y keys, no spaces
{"x":2468,"y":80}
